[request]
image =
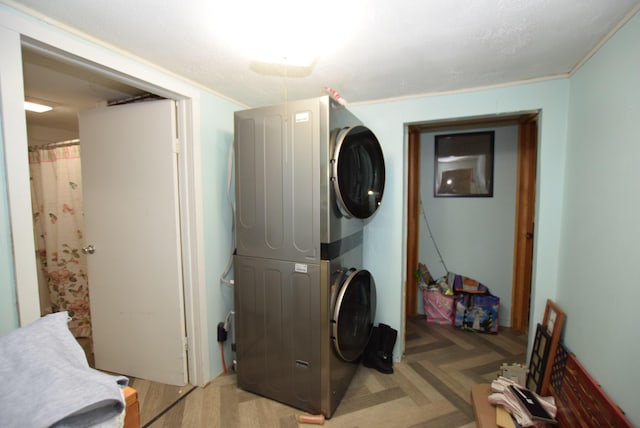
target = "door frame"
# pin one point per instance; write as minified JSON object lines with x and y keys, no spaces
{"x":17,"y":29}
{"x":525,"y":223}
{"x":525,"y":205}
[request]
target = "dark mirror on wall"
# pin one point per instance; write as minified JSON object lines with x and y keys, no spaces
{"x":464,"y":164}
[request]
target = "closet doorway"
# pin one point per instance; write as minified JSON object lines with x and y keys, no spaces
{"x":524,"y":213}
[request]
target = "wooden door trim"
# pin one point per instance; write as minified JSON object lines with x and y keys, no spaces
{"x":524,"y":223}
{"x":413,"y":205}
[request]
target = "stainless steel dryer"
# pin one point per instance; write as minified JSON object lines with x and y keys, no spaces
{"x":353,"y":176}
{"x":307,"y":173}
{"x":301,"y":328}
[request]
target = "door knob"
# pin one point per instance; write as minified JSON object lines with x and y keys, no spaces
{"x":89,"y":249}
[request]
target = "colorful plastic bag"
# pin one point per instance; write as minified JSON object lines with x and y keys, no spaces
{"x":477,"y":312}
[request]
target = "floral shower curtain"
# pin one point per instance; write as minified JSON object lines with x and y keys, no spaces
{"x":56,"y":199}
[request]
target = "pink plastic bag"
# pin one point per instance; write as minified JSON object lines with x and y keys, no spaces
{"x":437,"y":307}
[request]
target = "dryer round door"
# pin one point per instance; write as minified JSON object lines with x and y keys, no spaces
{"x":353,"y":314}
{"x":358,"y":172}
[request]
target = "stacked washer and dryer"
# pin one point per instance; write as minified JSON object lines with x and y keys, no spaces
{"x":308,"y":174}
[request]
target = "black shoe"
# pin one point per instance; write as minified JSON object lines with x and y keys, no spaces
{"x":388,"y":338}
{"x":379,"y":351}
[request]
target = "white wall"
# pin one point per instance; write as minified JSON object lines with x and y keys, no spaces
{"x":8,"y":302}
{"x":600,"y":252}
{"x":39,"y":135}
{"x":474,"y":235}
{"x":16,"y":174}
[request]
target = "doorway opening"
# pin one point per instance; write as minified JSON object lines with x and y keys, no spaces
{"x":187,"y":115}
{"x":527,"y":124}
{"x":55,"y":177}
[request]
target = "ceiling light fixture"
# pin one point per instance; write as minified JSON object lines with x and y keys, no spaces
{"x":286,"y":32}
{"x":37,"y":108}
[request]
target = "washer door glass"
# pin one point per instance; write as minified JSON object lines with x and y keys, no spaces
{"x":353,"y":314}
{"x":358,"y":172}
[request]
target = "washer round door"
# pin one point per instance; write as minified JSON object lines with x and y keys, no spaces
{"x":358,"y":172}
{"x":353,"y":314}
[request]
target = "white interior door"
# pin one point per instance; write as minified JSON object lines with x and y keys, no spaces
{"x":129,"y":172}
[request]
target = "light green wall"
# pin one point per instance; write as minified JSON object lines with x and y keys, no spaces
{"x":217,"y":138}
{"x":8,"y":304}
{"x":586,"y":234}
{"x":385,"y":235}
{"x":598,"y":282}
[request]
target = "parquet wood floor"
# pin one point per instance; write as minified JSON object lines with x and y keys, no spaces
{"x":429,"y":388}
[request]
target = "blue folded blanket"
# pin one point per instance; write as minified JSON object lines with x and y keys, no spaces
{"x":46,"y":380}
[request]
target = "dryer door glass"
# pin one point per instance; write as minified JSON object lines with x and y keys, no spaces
{"x":353,"y":314}
{"x":358,"y":172}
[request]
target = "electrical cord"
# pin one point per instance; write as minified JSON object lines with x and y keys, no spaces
{"x":223,"y":334}
{"x":424,"y":216}
{"x":224,"y":364}
{"x":223,"y":277}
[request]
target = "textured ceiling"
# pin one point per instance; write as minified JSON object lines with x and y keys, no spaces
{"x":385,"y":49}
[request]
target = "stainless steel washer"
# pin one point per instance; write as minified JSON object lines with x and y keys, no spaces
{"x":301,"y":328}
